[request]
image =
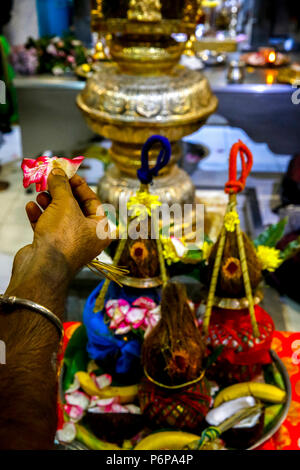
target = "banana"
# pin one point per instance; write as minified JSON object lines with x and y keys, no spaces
{"x":91,"y":441}
{"x":261,"y":391}
{"x":166,"y":440}
{"x":126,"y":394}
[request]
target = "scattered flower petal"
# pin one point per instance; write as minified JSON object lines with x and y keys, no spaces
{"x":74,"y":412}
{"x":77,"y":398}
{"x":103,"y":381}
{"x":67,"y":433}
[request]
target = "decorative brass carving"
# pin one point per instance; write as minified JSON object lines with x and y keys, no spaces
{"x":145,"y":92}
{"x":144,"y":10}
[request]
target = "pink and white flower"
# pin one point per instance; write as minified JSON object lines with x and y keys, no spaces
{"x":103,"y":381}
{"x":144,"y":314}
{"x":78,"y":399}
{"x":144,"y":302}
{"x":67,"y":433}
{"x":74,"y":412}
{"x":112,"y":405}
{"x":37,"y":171}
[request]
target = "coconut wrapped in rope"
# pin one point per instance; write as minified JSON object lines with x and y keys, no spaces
{"x":140,"y":255}
{"x":174,"y":392}
{"x":230,"y":281}
{"x":172,"y":353}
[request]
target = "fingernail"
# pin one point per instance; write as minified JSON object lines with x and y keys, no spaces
{"x":58,"y":172}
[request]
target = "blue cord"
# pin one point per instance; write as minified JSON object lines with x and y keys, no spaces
{"x":145,"y":174}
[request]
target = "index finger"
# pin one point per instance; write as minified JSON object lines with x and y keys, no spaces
{"x":87,"y":199}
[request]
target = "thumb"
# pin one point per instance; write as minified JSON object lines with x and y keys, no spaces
{"x":58,"y":184}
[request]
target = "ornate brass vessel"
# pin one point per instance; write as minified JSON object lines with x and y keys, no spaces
{"x":144,"y":91}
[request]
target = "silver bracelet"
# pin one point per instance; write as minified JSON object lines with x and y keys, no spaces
{"x":34,"y":307}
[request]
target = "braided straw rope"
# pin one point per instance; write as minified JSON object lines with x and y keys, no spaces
{"x":232,"y":187}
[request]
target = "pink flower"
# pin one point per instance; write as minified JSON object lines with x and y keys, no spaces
{"x":70,"y":59}
{"x":103,"y":381}
{"x":108,"y":405}
{"x":37,"y":171}
{"x":74,"y":412}
{"x":136,"y":317}
{"x":78,"y":399}
{"x":144,"y":302}
{"x":142,"y":314}
{"x":67,"y":433}
{"x":152,"y":319}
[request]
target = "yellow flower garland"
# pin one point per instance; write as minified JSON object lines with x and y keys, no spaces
{"x":142,"y":204}
{"x":231,"y":219}
{"x":268,"y":257}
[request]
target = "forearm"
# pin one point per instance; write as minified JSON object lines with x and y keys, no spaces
{"x":28,"y":380}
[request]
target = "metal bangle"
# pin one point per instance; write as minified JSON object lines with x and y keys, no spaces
{"x":33,"y":306}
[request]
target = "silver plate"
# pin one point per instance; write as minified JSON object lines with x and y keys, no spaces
{"x":281,"y":417}
{"x":75,"y":445}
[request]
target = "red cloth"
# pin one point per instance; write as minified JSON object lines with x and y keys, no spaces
{"x":233,"y":329}
{"x":287,"y":346}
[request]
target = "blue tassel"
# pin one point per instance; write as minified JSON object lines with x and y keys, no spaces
{"x":146,"y":174}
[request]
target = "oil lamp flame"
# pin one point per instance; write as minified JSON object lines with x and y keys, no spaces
{"x":272,"y":57}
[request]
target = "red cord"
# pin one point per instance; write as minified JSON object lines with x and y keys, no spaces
{"x":235,"y":185}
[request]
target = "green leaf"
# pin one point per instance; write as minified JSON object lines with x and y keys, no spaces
{"x":271,"y":236}
{"x":76,"y":357}
{"x":290,"y":249}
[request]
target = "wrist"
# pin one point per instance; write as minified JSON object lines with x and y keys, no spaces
{"x":41,"y":274}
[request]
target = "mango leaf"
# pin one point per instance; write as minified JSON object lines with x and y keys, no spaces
{"x":290,"y":249}
{"x":271,"y":236}
{"x":76,"y":357}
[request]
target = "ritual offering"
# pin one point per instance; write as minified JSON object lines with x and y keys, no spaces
{"x":118,"y":318}
{"x":175,"y":392}
{"x":232,"y":319}
{"x":143,"y":371}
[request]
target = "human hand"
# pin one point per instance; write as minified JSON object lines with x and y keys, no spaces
{"x":65,"y":237}
{"x":69,"y":221}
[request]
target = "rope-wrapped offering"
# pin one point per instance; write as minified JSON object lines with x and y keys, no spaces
{"x":174,"y":392}
{"x":233,"y":252}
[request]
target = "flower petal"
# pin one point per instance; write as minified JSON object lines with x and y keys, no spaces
{"x":116,"y":408}
{"x":144,"y":302}
{"x":74,"y":412}
{"x":103,"y":381}
{"x":122,"y":330}
{"x":37,"y":171}
{"x":136,"y":315}
{"x":180,"y":248}
{"x":136,"y":410}
{"x":77,"y":398}
{"x":67,"y":433}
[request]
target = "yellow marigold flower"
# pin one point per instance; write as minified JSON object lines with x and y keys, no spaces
{"x":169,"y":251}
{"x":231,"y":219}
{"x":268,"y":257}
{"x":206,"y":250}
{"x":142,"y":203}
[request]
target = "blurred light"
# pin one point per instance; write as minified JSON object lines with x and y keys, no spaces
{"x":272,"y":57}
{"x":270,"y":78}
{"x":289,"y":44}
